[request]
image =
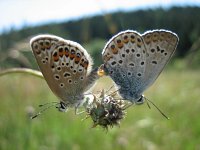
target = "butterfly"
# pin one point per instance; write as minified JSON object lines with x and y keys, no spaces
{"x":134,"y":60}
{"x":66,"y":67}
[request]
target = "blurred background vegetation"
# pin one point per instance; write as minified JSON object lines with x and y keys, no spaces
{"x":93,"y":32}
{"x":176,"y":91}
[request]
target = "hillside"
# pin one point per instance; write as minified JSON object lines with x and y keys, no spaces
{"x":94,"y":31}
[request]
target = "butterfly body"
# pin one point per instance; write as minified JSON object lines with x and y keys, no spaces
{"x":135,"y":60}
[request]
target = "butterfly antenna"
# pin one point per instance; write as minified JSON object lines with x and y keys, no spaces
{"x":109,"y":89}
{"x":127,"y":106}
{"x":42,"y":105}
{"x":113,"y":92}
{"x":148,"y":104}
{"x":77,"y":112}
{"x":156,"y":108}
{"x":43,"y":110}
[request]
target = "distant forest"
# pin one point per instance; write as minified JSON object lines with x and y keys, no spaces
{"x":184,"y":21}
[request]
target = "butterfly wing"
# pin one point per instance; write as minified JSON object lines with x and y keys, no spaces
{"x":124,"y":60}
{"x":65,"y":65}
{"x":160,"y":46}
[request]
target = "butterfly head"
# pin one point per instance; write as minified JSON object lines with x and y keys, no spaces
{"x":62,"y":107}
{"x":131,"y":96}
{"x":140,"y":100}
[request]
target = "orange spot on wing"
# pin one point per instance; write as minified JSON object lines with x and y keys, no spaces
{"x":77,"y":59}
{"x":155,"y":37}
{"x":37,"y":51}
{"x":56,"y":58}
{"x":114,"y":49}
{"x":82,"y":64}
{"x":107,"y":58}
{"x":61,"y":53}
{"x":66,"y":53}
{"x":71,"y":56}
{"x":120,"y":45}
{"x":85,"y":64}
{"x":125,"y":40}
{"x":133,"y":40}
{"x":41,"y":42}
{"x":147,"y":39}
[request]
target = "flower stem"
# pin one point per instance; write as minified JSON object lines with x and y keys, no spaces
{"x":22,"y":70}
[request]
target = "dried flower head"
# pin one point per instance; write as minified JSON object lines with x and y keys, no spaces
{"x":105,"y":110}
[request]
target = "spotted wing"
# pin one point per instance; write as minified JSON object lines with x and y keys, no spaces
{"x":65,"y":65}
{"x":160,"y":46}
{"x":124,"y":60}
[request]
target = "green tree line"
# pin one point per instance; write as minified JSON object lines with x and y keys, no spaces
{"x":185,"y":21}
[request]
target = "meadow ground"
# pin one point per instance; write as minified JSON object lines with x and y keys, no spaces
{"x":175,"y":92}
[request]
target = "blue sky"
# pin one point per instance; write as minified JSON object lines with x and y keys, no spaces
{"x":18,"y":13}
